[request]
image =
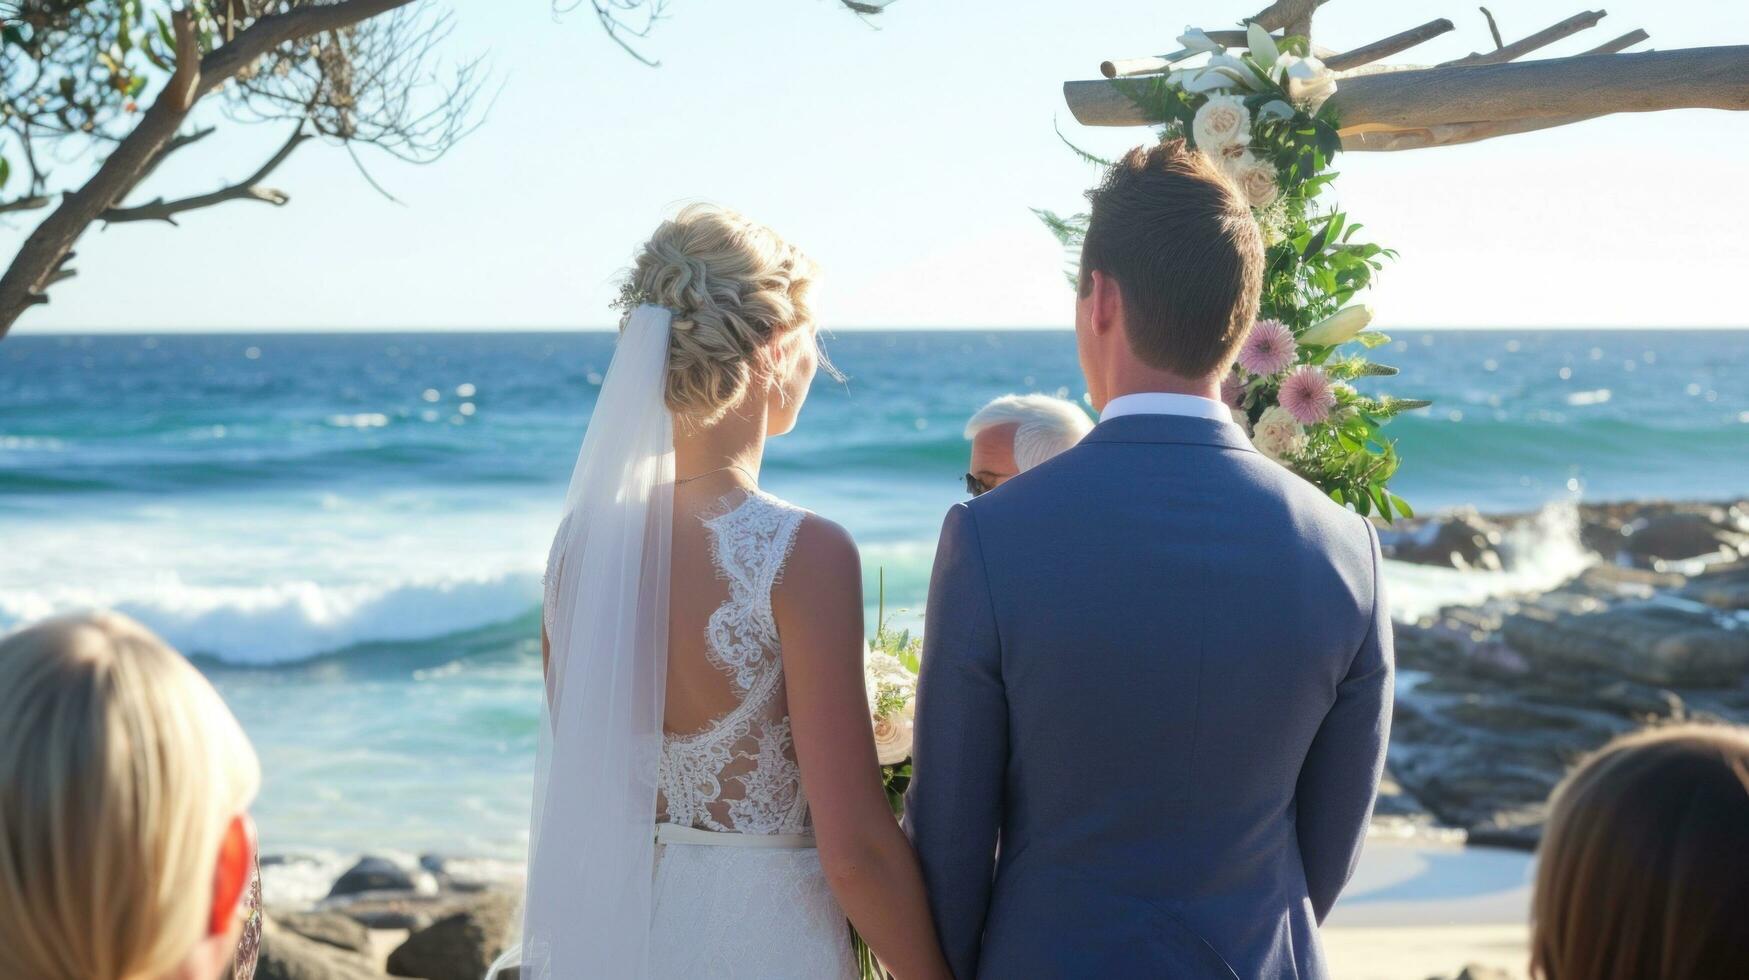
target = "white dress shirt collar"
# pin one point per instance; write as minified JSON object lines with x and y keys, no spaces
{"x":1166,"y":403}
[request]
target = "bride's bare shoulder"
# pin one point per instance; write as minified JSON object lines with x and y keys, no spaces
{"x":824,"y":569}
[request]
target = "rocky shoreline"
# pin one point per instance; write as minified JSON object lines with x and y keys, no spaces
{"x":437,"y":921}
{"x":1497,"y":700}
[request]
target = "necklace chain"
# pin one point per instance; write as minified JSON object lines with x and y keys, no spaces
{"x":721,"y":469}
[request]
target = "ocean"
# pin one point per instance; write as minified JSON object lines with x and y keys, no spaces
{"x":346,"y":531}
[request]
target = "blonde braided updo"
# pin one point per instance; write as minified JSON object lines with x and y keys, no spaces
{"x":738,"y":292}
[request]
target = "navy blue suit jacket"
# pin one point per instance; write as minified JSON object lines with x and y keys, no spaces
{"x":1153,"y":712}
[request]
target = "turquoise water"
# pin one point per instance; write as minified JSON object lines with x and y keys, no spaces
{"x":347,"y":530}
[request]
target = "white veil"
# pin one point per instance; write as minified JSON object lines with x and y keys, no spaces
{"x":592,"y":831}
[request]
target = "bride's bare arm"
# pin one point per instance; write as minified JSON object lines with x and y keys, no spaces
{"x":868,"y":862}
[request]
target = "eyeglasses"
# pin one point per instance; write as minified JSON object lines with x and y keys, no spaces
{"x":977,"y":487}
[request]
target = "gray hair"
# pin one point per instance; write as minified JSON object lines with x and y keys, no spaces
{"x":1045,"y":425}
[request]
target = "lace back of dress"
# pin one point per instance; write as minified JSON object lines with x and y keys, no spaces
{"x":738,"y":774}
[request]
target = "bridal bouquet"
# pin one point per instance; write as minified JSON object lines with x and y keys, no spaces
{"x":890,"y":674}
{"x":1262,"y":117}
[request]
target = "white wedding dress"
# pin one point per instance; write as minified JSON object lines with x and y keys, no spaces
{"x":738,"y":889}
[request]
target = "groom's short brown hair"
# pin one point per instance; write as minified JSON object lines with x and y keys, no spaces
{"x":1180,"y":240}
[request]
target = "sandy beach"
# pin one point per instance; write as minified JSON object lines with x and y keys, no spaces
{"x":1416,"y":910}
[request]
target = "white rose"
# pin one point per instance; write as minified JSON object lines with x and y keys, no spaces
{"x":892,"y":734}
{"x":1222,"y":121}
{"x":1307,"y":80}
{"x":1277,"y":434}
{"x":1257,"y":179}
{"x":1240,"y":420}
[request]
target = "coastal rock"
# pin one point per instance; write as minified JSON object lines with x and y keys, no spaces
{"x":459,"y":947}
{"x":286,"y":955}
{"x":1657,"y":645}
{"x":1724,"y":587}
{"x":331,"y":928}
{"x":1717,"y":532}
{"x":372,"y":874}
{"x":1463,"y":540}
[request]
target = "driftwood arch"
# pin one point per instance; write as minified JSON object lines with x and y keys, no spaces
{"x":1481,"y":96}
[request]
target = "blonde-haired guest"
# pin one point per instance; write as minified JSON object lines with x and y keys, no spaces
{"x":124,"y":846}
{"x":1644,"y":867}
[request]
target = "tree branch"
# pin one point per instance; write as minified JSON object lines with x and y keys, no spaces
{"x":1541,"y":39}
{"x":176,"y":142}
{"x":246,"y":190}
{"x":1366,"y":54}
{"x":28,"y":203}
{"x":34,"y":267}
{"x":270,"y":32}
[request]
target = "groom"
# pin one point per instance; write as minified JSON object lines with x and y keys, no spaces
{"x":1157,"y":669}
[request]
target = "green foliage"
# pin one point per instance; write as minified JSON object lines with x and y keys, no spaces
{"x":1315,"y":265}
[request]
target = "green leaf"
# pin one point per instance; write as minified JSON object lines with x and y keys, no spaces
{"x":1402,"y":506}
{"x":5,"y":171}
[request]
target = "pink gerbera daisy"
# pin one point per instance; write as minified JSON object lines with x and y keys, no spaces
{"x":1307,"y":396}
{"x":1268,"y":348}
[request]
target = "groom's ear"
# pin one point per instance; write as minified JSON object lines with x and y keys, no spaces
{"x":1105,"y":302}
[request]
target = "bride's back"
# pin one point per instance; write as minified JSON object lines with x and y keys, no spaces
{"x":728,"y":761}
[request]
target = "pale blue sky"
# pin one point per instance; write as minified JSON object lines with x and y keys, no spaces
{"x":905,"y":160}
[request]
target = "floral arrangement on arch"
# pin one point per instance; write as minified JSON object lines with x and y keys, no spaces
{"x":1261,"y":115}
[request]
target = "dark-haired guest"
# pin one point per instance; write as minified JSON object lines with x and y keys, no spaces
{"x":1644,"y":867}
{"x":124,"y":848}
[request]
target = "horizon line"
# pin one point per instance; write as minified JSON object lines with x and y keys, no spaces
{"x":85,"y":331}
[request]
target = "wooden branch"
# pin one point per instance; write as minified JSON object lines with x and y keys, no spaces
{"x":1293,"y":17}
{"x":1493,"y":28}
{"x":247,"y":190}
{"x":1451,"y":134}
{"x":1622,"y":43}
{"x":42,"y":254}
{"x":1541,"y":39}
{"x":1644,"y":81}
{"x":27,"y":203}
{"x":1368,"y":53}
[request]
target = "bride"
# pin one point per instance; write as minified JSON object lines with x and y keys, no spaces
{"x":707,"y":800}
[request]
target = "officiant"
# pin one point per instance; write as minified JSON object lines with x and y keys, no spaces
{"x":1015,"y":433}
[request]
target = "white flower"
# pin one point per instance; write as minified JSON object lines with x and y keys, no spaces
{"x":1222,"y":121}
{"x":1257,"y":179}
{"x":1338,"y":328}
{"x":1235,"y":68}
{"x":1306,"y":79}
{"x":1275,"y":109}
{"x":893,"y":733}
{"x":1195,"y":40}
{"x":1278,"y":434}
{"x":1200,"y":80}
{"x":1240,"y":420}
{"x":1261,"y":44}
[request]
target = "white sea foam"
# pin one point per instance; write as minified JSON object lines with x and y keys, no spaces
{"x":1538,"y":555}
{"x":292,"y":620}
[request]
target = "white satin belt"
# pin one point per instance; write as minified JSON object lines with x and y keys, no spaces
{"x":667,"y":833}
